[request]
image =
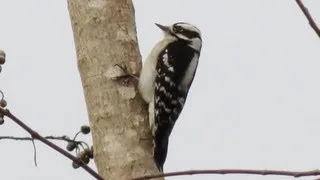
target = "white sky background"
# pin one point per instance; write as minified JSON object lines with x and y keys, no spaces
{"x":255,"y":101}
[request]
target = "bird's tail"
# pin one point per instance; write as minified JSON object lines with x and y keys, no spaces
{"x":160,"y":151}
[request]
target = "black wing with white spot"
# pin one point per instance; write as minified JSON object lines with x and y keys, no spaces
{"x":169,"y":96}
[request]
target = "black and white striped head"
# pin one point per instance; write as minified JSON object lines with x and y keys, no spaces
{"x":185,"y":32}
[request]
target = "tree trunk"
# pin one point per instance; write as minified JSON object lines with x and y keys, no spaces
{"x":105,"y":35}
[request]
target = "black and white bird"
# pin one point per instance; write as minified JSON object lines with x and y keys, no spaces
{"x":165,"y":79}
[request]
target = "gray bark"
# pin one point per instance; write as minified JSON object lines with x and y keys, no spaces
{"x":105,"y":34}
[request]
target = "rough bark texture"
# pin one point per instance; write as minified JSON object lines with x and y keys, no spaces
{"x":105,"y":35}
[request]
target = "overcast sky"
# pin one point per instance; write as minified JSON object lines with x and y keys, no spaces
{"x":254,"y":103}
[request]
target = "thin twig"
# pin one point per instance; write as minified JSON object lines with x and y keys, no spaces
{"x":75,"y":136}
{"x":58,"y":138}
{"x":2,"y":95}
{"x":37,"y":136}
{"x":309,"y":17}
{"x":295,"y":174}
{"x":34,"y":152}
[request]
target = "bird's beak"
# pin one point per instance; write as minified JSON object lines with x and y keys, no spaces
{"x":163,"y":28}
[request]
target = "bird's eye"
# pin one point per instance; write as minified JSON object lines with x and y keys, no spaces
{"x":177,"y":29}
{"x":174,"y":29}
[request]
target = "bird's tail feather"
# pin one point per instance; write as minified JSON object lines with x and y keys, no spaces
{"x":160,"y":152}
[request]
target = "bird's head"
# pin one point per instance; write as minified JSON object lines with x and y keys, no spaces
{"x":184,"y":32}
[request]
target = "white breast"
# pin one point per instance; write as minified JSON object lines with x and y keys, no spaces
{"x":148,"y":73}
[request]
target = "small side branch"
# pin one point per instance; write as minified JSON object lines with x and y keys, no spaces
{"x":295,"y":174}
{"x":34,"y":153}
{"x":35,"y":135}
{"x":309,"y":17}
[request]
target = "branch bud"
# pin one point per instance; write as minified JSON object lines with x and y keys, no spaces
{"x":1,"y":119}
{"x":2,"y":57}
{"x":75,"y":165}
{"x":85,"y":129}
{"x":3,"y":103}
{"x":71,"y":146}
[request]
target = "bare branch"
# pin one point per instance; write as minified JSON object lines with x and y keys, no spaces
{"x":35,"y":135}
{"x":309,"y":17}
{"x":58,"y":138}
{"x":295,"y":174}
